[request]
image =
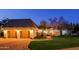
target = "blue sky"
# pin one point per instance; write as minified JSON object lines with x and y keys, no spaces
{"x":71,"y":15}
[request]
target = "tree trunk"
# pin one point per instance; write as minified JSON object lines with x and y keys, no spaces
{"x":60,"y":32}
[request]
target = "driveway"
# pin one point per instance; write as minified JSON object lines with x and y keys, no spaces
{"x":14,"y":44}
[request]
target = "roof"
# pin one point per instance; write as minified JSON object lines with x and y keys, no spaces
{"x":19,"y":23}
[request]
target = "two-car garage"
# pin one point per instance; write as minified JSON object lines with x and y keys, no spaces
{"x":14,"y":34}
{"x":19,"y":28}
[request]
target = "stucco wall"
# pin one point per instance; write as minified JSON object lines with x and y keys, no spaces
{"x":30,"y":34}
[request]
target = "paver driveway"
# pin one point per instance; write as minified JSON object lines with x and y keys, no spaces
{"x":14,"y":44}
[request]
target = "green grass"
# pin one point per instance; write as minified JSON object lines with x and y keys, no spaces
{"x":60,"y":42}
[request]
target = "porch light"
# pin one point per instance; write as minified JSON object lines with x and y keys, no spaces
{"x":5,"y":31}
{"x":31,"y":31}
{"x":17,"y":31}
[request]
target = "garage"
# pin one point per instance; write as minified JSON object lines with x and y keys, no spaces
{"x":12,"y":34}
{"x":24,"y":34}
{"x":19,"y":28}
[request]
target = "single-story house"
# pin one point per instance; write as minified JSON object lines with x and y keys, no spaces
{"x":53,"y":32}
{"x":19,"y":28}
{"x":50,"y":31}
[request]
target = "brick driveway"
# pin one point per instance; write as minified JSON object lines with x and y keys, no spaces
{"x":14,"y":44}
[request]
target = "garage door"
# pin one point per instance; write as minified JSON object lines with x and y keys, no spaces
{"x":24,"y":34}
{"x":12,"y":34}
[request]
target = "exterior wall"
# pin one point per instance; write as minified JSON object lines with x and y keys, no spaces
{"x":65,"y":32}
{"x":30,"y":32}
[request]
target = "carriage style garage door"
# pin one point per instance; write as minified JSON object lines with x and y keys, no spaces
{"x":12,"y":34}
{"x":24,"y":34}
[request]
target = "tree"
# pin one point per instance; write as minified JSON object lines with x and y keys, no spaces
{"x":43,"y":25}
{"x":2,"y":22}
{"x":76,"y":28}
{"x":53,"y":22}
{"x":62,"y":24}
{"x":71,"y":26}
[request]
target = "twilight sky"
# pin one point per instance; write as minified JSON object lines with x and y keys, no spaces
{"x":71,"y":15}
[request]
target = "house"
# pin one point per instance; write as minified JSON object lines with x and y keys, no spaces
{"x":49,"y":31}
{"x":19,"y":28}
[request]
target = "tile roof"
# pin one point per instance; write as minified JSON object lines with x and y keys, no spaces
{"x":19,"y":23}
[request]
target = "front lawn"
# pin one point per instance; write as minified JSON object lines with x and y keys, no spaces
{"x":55,"y":43}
